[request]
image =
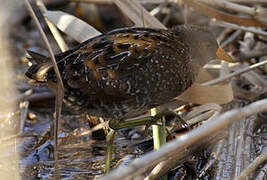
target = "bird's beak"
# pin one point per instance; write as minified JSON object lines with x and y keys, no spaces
{"x":222,"y":55}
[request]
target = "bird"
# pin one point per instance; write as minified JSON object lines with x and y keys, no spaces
{"x":123,"y":73}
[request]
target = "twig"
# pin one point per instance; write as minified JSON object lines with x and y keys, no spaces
{"x":245,"y":55}
{"x":23,"y":96}
{"x":24,"y":107}
{"x":45,"y":41}
{"x":155,"y":11}
{"x":60,"y":87}
{"x":248,"y":156}
{"x":164,"y":166}
{"x":37,"y":97}
{"x":94,"y":1}
{"x":259,"y":13}
{"x":231,"y":147}
{"x":231,"y":6}
{"x":235,"y":26}
{"x":230,"y":39}
{"x":112,"y":1}
{"x":223,"y":35}
{"x":252,"y":2}
{"x":240,"y":148}
{"x":72,"y":26}
{"x":229,"y":76}
{"x":60,"y":41}
{"x":168,"y":1}
{"x":214,"y":13}
{"x":221,"y":163}
{"x":201,"y":117}
{"x":136,"y":12}
{"x":262,"y":173}
{"x":259,"y":160}
{"x":139,"y":166}
{"x":212,"y":159}
{"x":248,"y":41}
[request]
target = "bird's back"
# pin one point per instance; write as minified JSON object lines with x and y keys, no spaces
{"x":121,"y":73}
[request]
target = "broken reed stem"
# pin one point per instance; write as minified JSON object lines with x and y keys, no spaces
{"x":45,"y":41}
{"x":212,"y":158}
{"x":60,"y":87}
{"x":244,"y":55}
{"x":111,"y":1}
{"x":252,"y":2}
{"x":231,"y":6}
{"x":259,"y":160}
{"x":229,"y":76}
{"x":262,"y":173}
{"x":221,"y":15}
{"x":239,"y":152}
{"x":164,"y":166}
{"x":138,"y":14}
{"x":168,"y":1}
{"x":24,"y":106}
{"x":232,"y":38}
{"x":139,"y":166}
{"x":238,"y":27}
{"x":60,"y":41}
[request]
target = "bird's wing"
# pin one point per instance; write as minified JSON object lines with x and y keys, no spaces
{"x":99,"y":64}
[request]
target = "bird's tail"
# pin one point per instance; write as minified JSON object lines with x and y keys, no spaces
{"x":40,"y":70}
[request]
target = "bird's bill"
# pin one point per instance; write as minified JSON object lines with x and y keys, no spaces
{"x":222,"y":55}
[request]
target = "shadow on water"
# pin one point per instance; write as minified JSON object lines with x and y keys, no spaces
{"x":80,"y":156}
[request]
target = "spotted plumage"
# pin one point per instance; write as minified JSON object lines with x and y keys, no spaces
{"x":124,"y":72}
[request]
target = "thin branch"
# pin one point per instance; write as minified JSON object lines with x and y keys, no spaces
{"x":259,"y":160}
{"x":245,"y":55}
{"x":24,"y":107}
{"x":139,"y":166}
{"x":221,"y":163}
{"x":214,"y":13}
{"x":259,"y":13}
{"x":60,"y":87}
{"x":262,"y":173}
{"x":163,"y":167}
{"x":212,"y":159}
{"x":250,"y":137}
{"x":240,"y":148}
{"x":202,"y":109}
{"x":231,"y":6}
{"x":112,"y":1}
{"x":93,"y":1}
{"x":39,"y":97}
{"x":232,"y":38}
{"x":251,"y":2}
{"x":230,"y":149}
{"x":45,"y":41}
{"x":72,"y":26}
{"x":235,"y":26}
{"x":168,"y":1}
{"x":138,"y":14}
{"x":60,"y":41}
{"x":229,"y":76}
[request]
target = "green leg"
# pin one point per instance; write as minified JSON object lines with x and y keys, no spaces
{"x":109,"y":140}
{"x":159,"y":134}
{"x":150,"y":120}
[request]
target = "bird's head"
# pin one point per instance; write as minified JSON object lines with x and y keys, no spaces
{"x":203,"y":44}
